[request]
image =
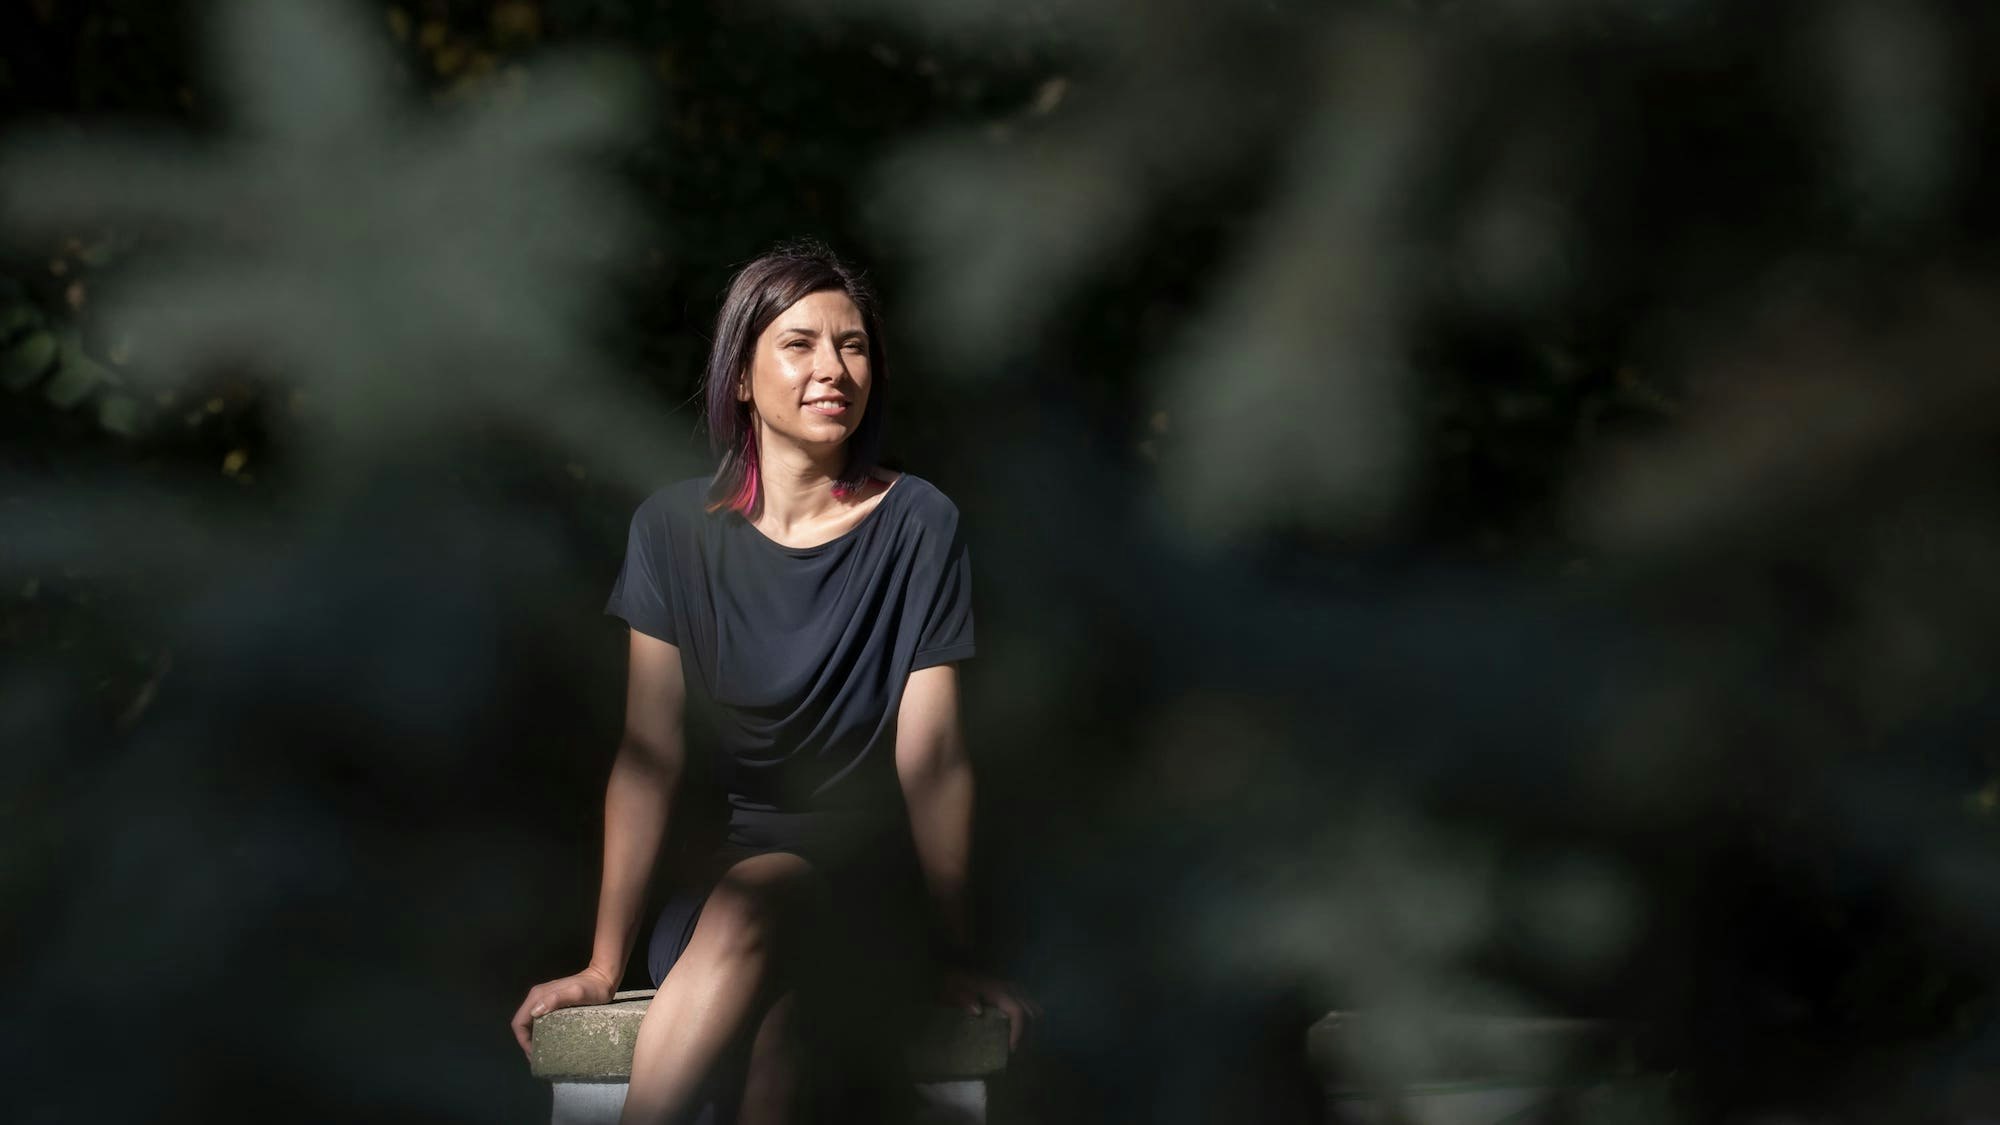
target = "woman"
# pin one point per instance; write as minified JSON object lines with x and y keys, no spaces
{"x":812,"y":607}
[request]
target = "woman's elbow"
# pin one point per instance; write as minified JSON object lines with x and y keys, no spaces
{"x":933,"y":765}
{"x":656,"y":757}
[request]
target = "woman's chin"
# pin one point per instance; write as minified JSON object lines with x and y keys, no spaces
{"x":832,"y":431}
{"x":819,"y":439}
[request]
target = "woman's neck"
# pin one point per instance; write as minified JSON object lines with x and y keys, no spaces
{"x":797,"y":486}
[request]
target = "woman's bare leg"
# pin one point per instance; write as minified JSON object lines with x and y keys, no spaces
{"x":771,"y":1086}
{"x":720,"y":983}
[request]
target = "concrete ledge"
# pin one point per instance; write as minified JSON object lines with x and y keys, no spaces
{"x":1430,"y":1069}
{"x":961,"y":1102}
{"x":1359,"y":1052}
{"x":594,"y":1043}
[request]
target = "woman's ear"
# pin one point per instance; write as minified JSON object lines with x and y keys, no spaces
{"x":743,"y":386}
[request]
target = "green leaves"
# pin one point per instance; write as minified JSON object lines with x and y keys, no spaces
{"x":77,"y":375}
{"x":27,"y":360}
{"x":34,"y":355}
{"x":408,"y":269}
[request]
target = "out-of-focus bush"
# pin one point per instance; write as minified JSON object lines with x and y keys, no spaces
{"x":1478,"y":508}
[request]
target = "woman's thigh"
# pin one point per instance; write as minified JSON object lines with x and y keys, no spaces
{"x":767,"y":892}
{"x":850,"y":944}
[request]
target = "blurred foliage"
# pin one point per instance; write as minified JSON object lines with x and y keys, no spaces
{"x":1479,"y":507}
{"x":58,"y":369}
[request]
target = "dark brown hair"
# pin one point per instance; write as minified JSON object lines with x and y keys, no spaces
{"x":756,"y":296}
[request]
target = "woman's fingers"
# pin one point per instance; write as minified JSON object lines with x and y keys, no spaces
{"x":524,"y":1022}
{"x":543,"y":999}
{"x":975,"y":991}
{"x":1017,"y":1016}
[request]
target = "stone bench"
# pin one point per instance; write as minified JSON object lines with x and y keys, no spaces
{"x":586,"y":1055}
{"x":1481,"y":1070}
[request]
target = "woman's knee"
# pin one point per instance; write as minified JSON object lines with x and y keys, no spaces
{"x":777,"y":1030}
{"x":755,"y":904}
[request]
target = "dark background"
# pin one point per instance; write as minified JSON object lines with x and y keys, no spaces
{"x":1477,"y":508}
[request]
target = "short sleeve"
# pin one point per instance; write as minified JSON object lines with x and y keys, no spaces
{"x":643,"y":595}
{"x":946,"y":633}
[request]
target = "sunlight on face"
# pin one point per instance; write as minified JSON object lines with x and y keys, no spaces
{"x":809,"y":376}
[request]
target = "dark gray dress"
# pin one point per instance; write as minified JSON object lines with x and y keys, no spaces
{"x":795,"y":660}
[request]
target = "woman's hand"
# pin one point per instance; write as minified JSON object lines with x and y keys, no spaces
{"x":962,"y":988}
{"x":587,"y":987}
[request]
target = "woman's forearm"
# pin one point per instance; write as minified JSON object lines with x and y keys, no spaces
{"x":940,"y":803}
{"x":636,"y":804}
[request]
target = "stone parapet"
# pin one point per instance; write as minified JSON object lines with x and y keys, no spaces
{"x":594,"y":1043}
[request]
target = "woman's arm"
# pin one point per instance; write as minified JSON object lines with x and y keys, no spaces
{"x":644,"y":777}
{"x":637,"y":799}
{"x":936,"y":776}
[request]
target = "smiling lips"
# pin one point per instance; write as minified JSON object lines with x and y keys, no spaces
{"x":831,"y":407}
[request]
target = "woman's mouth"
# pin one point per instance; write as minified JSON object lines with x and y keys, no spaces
{"x":831,"y":408}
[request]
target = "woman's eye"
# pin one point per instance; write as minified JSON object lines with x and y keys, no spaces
{"x":854,"y":346}
{"x":795,"y":345}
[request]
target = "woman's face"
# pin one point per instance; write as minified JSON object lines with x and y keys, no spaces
{"x":808,"y":378}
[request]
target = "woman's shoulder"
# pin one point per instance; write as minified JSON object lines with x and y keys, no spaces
{"x":672,"y":504}
{"x":925,"y":501}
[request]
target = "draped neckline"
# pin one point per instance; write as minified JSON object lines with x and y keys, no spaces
{"x":895,"y":486}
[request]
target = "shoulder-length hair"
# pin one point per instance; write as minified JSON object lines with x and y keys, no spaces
{"x":758,"y":293}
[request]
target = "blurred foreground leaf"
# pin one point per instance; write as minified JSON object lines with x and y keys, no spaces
{"x":27,"y":360}
{"x":417,"y":272}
